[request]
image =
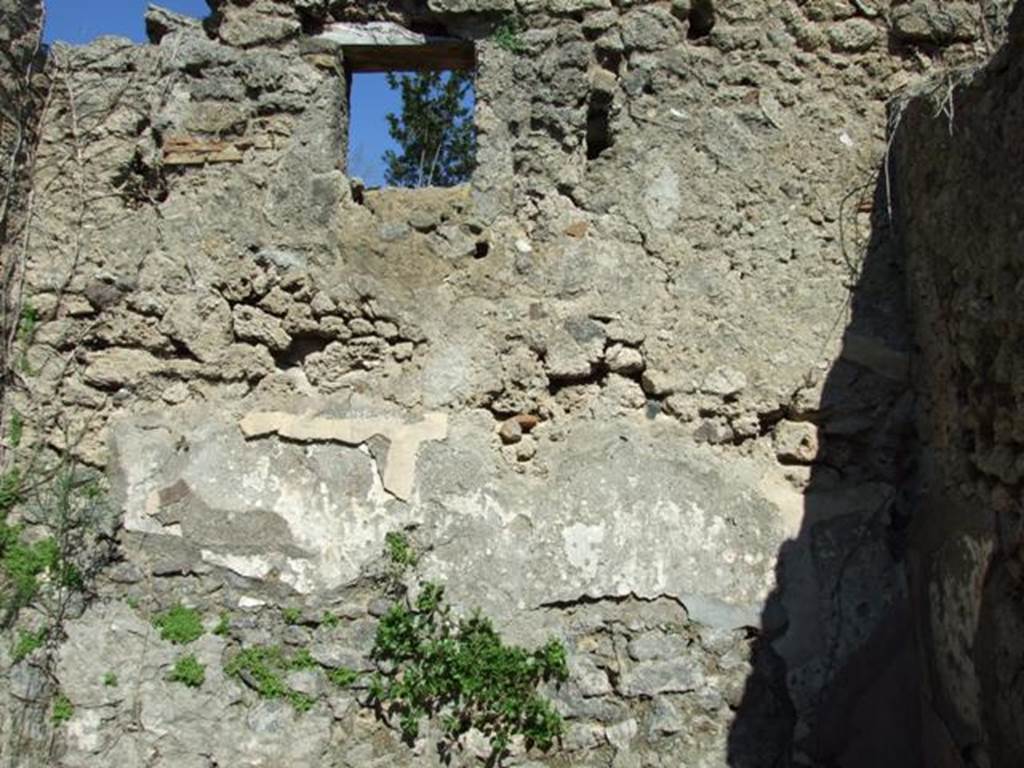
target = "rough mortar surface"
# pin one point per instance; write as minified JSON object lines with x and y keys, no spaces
{"x":711,"y":372}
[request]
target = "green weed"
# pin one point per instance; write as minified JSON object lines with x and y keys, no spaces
{"x":263,"y":667}
{"x":16,"y":429}
{"x":110,"y":680}
{"x":189,"y":671}
{"x":69,"y":504}
{"x":10,"y":490}
{"x":27,"y":325}
{"x":291,"y":615}
{"x":302,"y":702}
{"x":27,"y":643}
{"x":508,"y":35}
{"x":62,"y":709}
{"x":223,"y":627}
{"x":343,"y":677}
{"x":303,"y":659}
{"x":430,"y":663}
{"x":399,"y":550}
{"x":23,"y":564}
{"x":179,"y":625}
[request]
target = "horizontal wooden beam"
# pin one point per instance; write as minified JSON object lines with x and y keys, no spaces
{"x":422,"y":58}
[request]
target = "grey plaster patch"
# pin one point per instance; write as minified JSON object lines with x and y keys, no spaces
{"x":618,"y":514}
{"x":314,"y":515}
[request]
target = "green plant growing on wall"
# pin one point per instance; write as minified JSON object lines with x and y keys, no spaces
{"x":10,"y":491}
{"x":55,"y":535}
{"x":15,"y":429}
{"x":342,"y":677}
{"x":264,"y":667}
{"x":28,"y":322}
{"x":508,"y":35}
{"x":399,"y":550}
{"x":223,"y":628}
{"x":110,"y":680}
{"x":431,"y":663}
{"x":22,"y":565}
{"x":27,"y":643}
{"x":188,"y":671}
{"x":179,"y":625}
{"x":61,"y":710}
{"x":65,"y":547}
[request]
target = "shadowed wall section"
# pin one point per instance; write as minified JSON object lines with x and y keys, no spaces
{"x":958,"y":173}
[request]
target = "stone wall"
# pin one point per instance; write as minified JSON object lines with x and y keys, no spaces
{"x":21,"y":93}
{"x":21,"y":30}
{"x":958,"y":175}
{"x":643,"y":385}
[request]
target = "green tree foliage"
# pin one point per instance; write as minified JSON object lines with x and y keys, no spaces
{"x":434,"y":130}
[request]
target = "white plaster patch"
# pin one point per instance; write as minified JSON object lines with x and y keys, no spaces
{"x":249,"y":566}
{"x":84,"y":730}
{"x":662,"y":201}
{"x":583,"y":547}
{"x":400,"y":473}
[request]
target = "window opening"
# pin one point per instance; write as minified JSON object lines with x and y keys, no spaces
{"x":412,"y":128}
{"x":411,"y":105}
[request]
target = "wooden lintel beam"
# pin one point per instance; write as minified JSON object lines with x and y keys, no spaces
{"x":424,"y":58}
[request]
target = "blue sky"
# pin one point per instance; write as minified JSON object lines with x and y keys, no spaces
{"x":81,"y":21}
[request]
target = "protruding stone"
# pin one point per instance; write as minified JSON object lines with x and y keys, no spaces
{"x":621,"y":735}
{"x":361,"y":327}
{"x":526,"y":448}
{"x":657,"y":645}
{"x":511,"y":431}
{"x":624,"y":360}
{"x":176,"y":393}
{"x":853,"y":36}
{"x":724,"y":382}
{"x":653,"y":677}
{"x":253,"y":324}
{"x":161,"y":22}
{"x":242,"y":27}
{"x":276,"y":302}
{"x":527,"y":421}
{"x":591,"y":679}
{"x":322,"y":304}
{"x":200,"y":323}
{"x":682,"y":407}
{"x":796,"y":441}
{"x":713,"y":431}
{"x":402,"y":351}
{"x":113,"y":368}
{"x":935,"y":21}
{"x":660,"y":383}
{"x":664,"y":718}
